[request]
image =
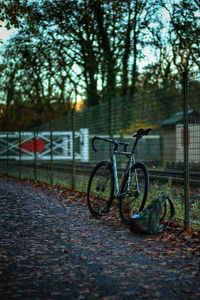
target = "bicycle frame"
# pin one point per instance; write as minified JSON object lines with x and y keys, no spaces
{"x":131,"y":161}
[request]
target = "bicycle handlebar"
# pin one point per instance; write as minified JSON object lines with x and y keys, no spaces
{"x":116,"y":143}
{"x":139,"y":134}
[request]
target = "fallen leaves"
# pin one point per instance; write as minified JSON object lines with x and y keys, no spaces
{"x":75,"y":256}
{"x":175,"y":239}
{"x":186,"y":241}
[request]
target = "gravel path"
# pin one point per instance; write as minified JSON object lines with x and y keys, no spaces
{"x":54,"y":250}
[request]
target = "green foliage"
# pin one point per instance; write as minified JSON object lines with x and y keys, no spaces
{"x":14,"y":12}
{"x":96,"y":50}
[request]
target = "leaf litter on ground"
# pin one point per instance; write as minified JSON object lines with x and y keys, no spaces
{"x":175,"y":251}
{"x":175,"y":237}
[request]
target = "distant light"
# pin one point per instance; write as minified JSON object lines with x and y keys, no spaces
{"x":79,"y":105}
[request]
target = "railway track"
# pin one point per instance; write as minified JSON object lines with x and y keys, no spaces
{"x":175,"y":176}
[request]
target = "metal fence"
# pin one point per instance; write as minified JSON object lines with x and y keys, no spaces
{"x":60,"y":151}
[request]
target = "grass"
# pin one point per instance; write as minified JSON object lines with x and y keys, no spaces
{"x":175,"y":192}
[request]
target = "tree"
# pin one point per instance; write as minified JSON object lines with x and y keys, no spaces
{"x":175,"y":44}
{"x":37,"y":71}
{"x":184,"y":34}
{"x":107,"y":38}
{"x":75,"y":23}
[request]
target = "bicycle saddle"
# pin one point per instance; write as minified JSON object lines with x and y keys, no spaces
{"x":141,"y":132}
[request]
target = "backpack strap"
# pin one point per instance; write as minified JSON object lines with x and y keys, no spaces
{"x":172,"y":211}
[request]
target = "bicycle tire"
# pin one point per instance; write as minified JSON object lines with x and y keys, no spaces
{"x":100,"y":189}
{"x":133,"y":201}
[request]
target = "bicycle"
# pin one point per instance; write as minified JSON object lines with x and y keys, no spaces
{"x":103,"y":185}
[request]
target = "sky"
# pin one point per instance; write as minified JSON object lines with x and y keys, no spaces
{"x":4,"y":33}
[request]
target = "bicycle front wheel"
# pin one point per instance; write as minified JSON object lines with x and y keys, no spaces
{"x":100,"y":189}
{"x":134,"y":192}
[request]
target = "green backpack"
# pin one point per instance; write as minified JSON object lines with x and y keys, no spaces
{"x":151,"y":219}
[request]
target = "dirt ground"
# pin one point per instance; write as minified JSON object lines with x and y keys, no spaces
{"x":51,"y":248}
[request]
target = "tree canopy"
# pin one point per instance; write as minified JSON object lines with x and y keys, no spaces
{"x":93,"y":50}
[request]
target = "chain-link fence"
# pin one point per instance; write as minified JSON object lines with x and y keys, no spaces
{"x":61,"y":152}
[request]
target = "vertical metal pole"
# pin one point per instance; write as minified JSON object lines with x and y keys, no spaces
{"x":51,"y":152}
{"x":110,"y":116}
{"x":186,"y":150}
{"x":20,"y":156}
{"x":73,"y":154}
{"x":110,"y":121}
{"x":7,"y":153}
{"x":35,"y":155}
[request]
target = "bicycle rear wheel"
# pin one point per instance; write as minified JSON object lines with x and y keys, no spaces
{"x":100,"y":189}
{"x":134,"y":192}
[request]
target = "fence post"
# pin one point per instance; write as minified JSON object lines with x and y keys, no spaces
{"x":110,"y":116}
{"x":7,"y":154}
{"x":20,"y":155}
{"x":186,"y":151}
{"x":73,"y":154}
{"x":35,"y":155}
{"x":51,"y":152}
{"x":110,"y":121}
